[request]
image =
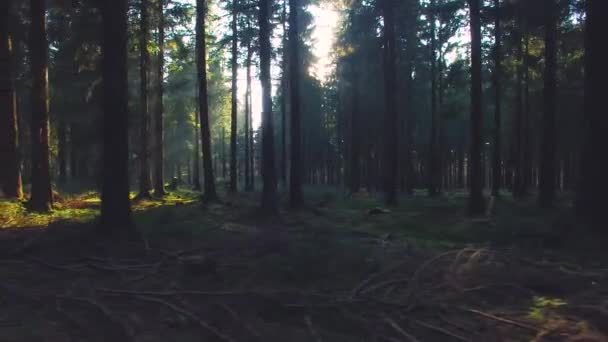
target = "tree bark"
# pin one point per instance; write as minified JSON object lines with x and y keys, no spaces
{"x":285,"y":89}
{"x":295,"y":165}
{"x":233,"y":112}
{"x":115,"y":205}
{"x":476,"y":200}
{"x":41,"y":193}
{"x":10,"y":174}
{"x":547,"y":161}
{"x":158,"y":143}
{"x":593,"y":183}
{"x":144,"y":129}
{"x":269,"y":190}
{"x":248,"y":132}
{"x":411,"y":44}
{"x":210,"y":193}
{"x":391,"y":123}
{"x":196,"y":181}
{"x":496,"y":162}
{"x":433,"y":143}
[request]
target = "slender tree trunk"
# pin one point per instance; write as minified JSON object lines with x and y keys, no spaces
{"x":496,"y":163}
{"x":41,"y":193}
{"x":62,"y":150}
{"x":248,"y":133}
{"x":433,"y":143}
{"x":251,"y":138}
{"x":518,"y":188}
{"x":411,"y":44}
{"x":196,"y":181}
{"x":10,"y":174}
{"x":476,"y":200}
{"x":210,"y":193}
{"x":157,"y":148}
{"x":593,"y":183}
{"x":547,"y":160}
{"x":233,"y":117}
{"x":285,"y":90}
{"x":269,"y":192}
{"x":526,"y":164}
{"x":115,"y":206}
{"x":391,"y":125}
{"x":355,"y":158}
{"x":144,"y":60}
{"x":295,"y":175}
{"x":223,"y":145}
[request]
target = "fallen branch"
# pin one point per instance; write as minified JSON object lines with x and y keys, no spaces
{"x":502,"y":320}
{"x":383,"y":284}
{"x":125,"y":333}
{"x":188,"y":314}
{"x":238,"y":318}
{"x":313,"y":332}
{"x":70,"y":268}
{"x":400,"y":330}
{"x":440,"y":330}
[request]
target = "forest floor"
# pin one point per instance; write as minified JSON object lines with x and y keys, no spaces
{"x":343,"y":269}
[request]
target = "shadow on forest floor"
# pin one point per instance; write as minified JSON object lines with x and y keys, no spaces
{"x":339,"y":270}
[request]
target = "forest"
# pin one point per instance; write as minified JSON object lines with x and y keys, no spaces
{"x":303,"y":170}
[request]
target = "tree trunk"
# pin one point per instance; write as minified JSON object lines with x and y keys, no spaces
{"x":547,"y":160}
{"x":157,"y":147}
{"x":593,"y":184}
{"x":115,"y":205}
{"x":223,"y":151}
{"x":62,"y":150}
{"x":248,"y":132}
{"x":411,"y":44}
{"x":285,"y":89}
{"x":518,"y":188}
{"x":355,"y":158}
{"x":210,"y":193}
{"x":433,"y":143}
{"x":10,"y":175}
{"x":233,"y":117}
{"x":41,"y":193}
{"x":269,"y":191}
{"x":476,"y":200}
{"x":144,"y":62}
{"x":196,"y":181}
{"x":295,"y":170}
{"x":496,"y":162}
{"x":391,"y":123}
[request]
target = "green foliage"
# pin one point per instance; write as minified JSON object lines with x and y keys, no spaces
{"x":542,"y":308}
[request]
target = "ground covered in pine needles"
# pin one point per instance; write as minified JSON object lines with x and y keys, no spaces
{"x":343,"y":269}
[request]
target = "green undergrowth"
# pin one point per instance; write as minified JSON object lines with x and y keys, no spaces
{"x":439,"y":221}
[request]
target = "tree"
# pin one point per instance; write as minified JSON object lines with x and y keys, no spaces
{"x":284,"y":89}
{"x":496,"y":77}
{"x":10,"y":176}
{"x":158,"y":142}
{"x":210,"y":193}
{"x":41,"y":192}
{"x":115,"y":205}
{"x":547,"y":162}
{"x":476,"y":200}
{"x":144,"y":61}
{"x":391,"y":125}
{"x":295,"y":168}
{"x":593,"y":183}
{"x":233,"y":110}
{"x":433,"y":172}
{"x":249,"y":169}
{"x":269,"y":187}
{"x":196,"y":184}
